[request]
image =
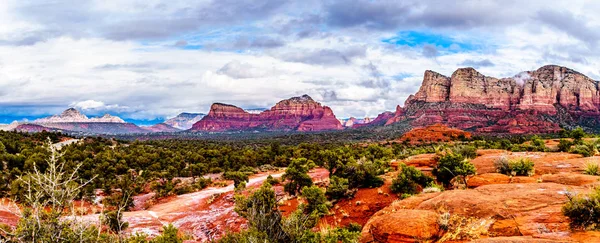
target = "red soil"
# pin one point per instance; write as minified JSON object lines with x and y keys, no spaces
{"x":359,"y":209}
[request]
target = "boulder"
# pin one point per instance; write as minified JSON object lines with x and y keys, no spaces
{"x":404,"y":226}
{"x":531,"y":209}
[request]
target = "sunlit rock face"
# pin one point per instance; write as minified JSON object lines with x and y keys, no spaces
{"x":295,"y":114}
{"x":539,"y":101}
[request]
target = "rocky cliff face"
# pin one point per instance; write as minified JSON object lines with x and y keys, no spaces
{"x":537,"y":101}
{"x":297,"y":113}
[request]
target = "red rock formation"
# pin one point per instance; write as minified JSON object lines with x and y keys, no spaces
{"x":381,"y":119}
{"x":539,"y":101}
{"x":433,"y":134}
{"x":297,"y":113}
{"x":33,"y":128}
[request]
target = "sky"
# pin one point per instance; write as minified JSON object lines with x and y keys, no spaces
{"x":147,"y":60}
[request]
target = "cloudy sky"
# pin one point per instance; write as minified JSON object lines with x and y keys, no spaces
{"x":149,"y":59}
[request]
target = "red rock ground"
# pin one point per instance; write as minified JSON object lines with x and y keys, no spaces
{"x":500,"y":208}
{"x":433,"y":134}
{"x":361,"y":207}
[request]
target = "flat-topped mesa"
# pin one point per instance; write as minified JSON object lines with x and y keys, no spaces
{"x":227,"y":110}
{"x":223,"y":117}
{"x":298,"y":113}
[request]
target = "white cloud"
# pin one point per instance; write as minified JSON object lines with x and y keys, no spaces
{"x":52,"y":66}
{"x":88,"y":104}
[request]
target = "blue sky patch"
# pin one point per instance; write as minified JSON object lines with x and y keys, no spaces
{"x":402,"y":76}
{"x":418,"y":39}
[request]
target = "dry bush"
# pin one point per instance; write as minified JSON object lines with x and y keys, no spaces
{"x":463,"y":228}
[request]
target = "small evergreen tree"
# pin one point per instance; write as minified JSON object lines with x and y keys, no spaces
{"x":452,"y":165}
{"x":409,"y":180}
{"x":316,"y":201}
{"x":297,"y":175}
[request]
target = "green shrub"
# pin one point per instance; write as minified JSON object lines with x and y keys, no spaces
{"x":523,"y":166}
{"x":467,"y":151}
{"x":202,"y":183}
{"x":520,"y":167}
{"x":297,"y":175}
{"x":316,"y":202}
{"x":592,"y":169}
{"x":584,"y":150}
{"x":271,"y":180}
{"x":244,"y":236}
{"x":354,"y":227}
{"x":564,"y":145}
{"x":584,"y":212}
{"x":363,"y":173}
{"x":453,"y":165}
{"x":260,"y":209}
{"x":335,"y":235}
{"x":114,"y":221}
{"x":410,"y":180}
{"x":338,"y":187}
{"x":169,"y":235}
{"x":537,"y":144}
{"x":236,"y":176}
{"x":505,"y":144}
{"x":518,"y":148}
{"x":577,"y":135}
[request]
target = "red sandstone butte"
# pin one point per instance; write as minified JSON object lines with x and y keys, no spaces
{"x":537,"y":101}
{"x":294,"y":114}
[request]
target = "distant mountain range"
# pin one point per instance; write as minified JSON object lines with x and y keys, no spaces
{"x":184,"y":120}
{"x":541,"y":101}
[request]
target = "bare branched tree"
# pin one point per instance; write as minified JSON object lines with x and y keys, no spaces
{"x":49,"y":214}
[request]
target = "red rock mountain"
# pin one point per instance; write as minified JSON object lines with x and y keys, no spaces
{"x":539,"y":101}
{"x":294,"y":114}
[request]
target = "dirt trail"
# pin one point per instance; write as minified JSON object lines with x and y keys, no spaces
{"x":187,"y":211}
{"x":192,"y":214}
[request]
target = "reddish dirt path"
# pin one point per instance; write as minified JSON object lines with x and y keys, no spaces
{"x":194,"y":215}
